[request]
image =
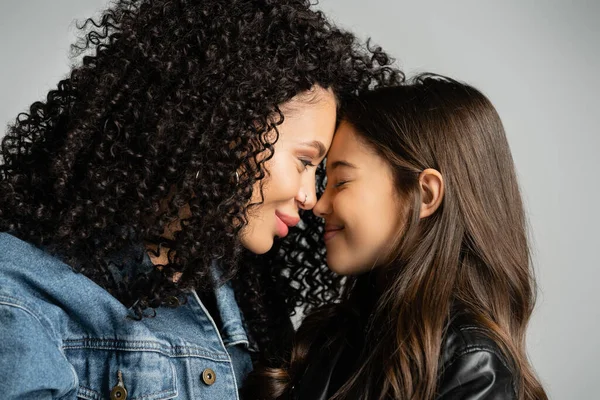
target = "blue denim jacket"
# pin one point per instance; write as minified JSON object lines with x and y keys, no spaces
{"x":64,"y":337}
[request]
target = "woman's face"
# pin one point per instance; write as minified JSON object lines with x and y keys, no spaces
{"x":360,"y":205}
{"x":305,"y":137}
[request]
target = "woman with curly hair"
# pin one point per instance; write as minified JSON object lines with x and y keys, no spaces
{"x":139,"y":202}
{"x":424,"y":217}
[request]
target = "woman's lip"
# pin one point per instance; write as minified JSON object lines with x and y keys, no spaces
{"x":282,"y":228}
{"x":287,"y":219}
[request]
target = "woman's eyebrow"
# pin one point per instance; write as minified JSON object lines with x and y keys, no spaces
{"x":317,"y":145}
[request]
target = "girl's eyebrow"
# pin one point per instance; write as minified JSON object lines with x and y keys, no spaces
{"x":341,"y":163}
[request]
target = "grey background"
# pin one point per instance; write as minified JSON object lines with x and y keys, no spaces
{"x":536,"y":61}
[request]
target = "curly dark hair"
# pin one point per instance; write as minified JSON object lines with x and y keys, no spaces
{"x":170,"y":100}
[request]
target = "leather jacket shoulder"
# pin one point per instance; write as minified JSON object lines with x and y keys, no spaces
{"x":472,"y":367}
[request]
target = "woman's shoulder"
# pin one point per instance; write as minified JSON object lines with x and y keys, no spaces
{"x":17,"y":250}
{"x":37,"y":282}
{"x":23,"y":263}
{"x":473,"y":364}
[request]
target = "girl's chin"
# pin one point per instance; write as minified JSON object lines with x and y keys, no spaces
{"x":337,"y":266}
{"x":344,"y":265}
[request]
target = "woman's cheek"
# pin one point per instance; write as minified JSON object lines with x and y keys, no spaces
{"x":285,"y":180}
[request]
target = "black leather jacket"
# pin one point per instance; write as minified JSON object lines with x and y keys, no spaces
{"x":472,"y":367}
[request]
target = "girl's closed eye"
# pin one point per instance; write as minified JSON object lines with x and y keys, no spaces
{"x":340,"y":183}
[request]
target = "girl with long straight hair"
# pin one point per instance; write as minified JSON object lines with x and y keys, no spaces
{"x":424,"y":217}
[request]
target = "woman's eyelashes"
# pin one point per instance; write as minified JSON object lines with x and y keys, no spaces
{"x":306,"y":163}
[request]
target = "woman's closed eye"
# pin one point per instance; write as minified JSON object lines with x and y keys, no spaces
{"x":306,"y":163}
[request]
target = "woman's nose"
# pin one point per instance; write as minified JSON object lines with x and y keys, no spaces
{"x":307,"y":195}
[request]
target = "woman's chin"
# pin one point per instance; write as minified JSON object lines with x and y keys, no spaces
{"x":257,"y":245}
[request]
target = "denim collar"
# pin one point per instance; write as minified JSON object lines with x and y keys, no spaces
{"x":232,"y":329}
{"x":125,"y":265}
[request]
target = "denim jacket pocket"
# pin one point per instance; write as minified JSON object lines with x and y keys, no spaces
{"x":144,"y":372}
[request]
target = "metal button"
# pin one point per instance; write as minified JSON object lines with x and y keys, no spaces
{"x":119,"y":392}
{"x":173,"y":302}
{"x":208,"y":376}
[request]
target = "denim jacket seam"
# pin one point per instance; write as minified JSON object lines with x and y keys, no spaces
{"x":91,"y":394}
{"x":237,"y":342}
{"x":87,"y":394}
{"x":96,"y":395}
{"x":14,"y":302}
{"x":172,"y":354}
{"x":195,"y":296}
{"x":237,"y":337}
{"x":10,"y":301}
{"x":172,"y":391}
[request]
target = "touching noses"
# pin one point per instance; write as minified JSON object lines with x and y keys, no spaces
{"x":307,"y":195}
{"x":323,"y":207}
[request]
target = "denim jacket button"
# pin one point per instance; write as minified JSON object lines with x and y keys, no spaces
{"x":208,"y":376}
{"x":119,"y":392}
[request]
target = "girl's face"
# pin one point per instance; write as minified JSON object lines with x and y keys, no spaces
{"x":305,"y":137}
{"x":360,"y":205}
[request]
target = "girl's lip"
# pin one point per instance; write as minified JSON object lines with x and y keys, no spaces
{"x":331,"y":231}
{"x":332,"y":227}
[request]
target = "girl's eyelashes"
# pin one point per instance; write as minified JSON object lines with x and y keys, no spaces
{"x":337,"y":183}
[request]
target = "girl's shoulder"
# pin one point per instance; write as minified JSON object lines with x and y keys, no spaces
{"x":472,"y":363}
{"x":464,"y":335}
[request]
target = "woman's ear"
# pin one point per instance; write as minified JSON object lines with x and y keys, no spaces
{"x":431,"y":184}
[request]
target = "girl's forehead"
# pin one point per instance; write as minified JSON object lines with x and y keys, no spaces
{"x":346,"y":142}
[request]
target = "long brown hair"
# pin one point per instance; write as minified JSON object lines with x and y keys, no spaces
{"x":471,"y":255}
